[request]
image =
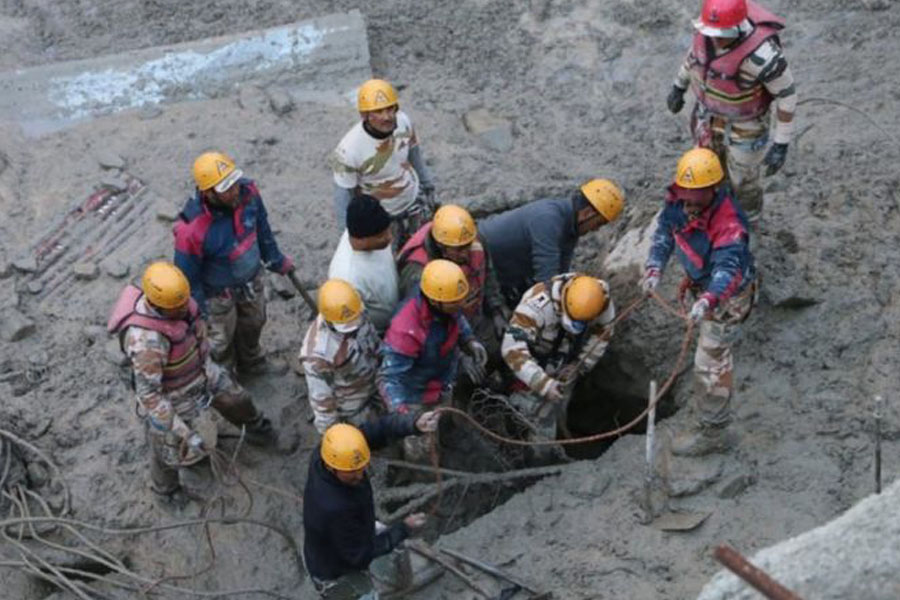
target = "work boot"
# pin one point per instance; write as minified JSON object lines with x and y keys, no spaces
{"x":702,"y":441}
{"x":260,"y":432}
{"x":264,"y":366}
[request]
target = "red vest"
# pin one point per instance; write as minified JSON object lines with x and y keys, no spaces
{"x":476,"y":271}
{"x":714,"y":80}
{"x":187,"y":352}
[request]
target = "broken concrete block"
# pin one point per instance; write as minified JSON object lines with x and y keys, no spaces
{"x":110,"y":160}
{"x":115,"y":268}
{"x":280,"y":101}
{"x":735,"y":486}
{"x":493,"y":132}
{"x":15,"y":326}
{"x":86,"y":271}
{"x":116,"y":184}
{"x":166,"y":210}
{"x":25,"y":264}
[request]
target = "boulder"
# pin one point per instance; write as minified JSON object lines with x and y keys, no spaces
{"x":495,"y":133}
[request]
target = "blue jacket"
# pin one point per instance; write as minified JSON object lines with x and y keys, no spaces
{"x":218,"y":248}
{"x":339,"y":520}
{"x":531,"y":243}
{"x":713,"y":249}
{"x":420,"y":354}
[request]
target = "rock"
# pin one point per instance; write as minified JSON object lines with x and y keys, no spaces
{"x":280,"y":101}
{"x":115,"y":268}
{"x":15,"y":326}
{"x":25,"y":264}
{"x":34,"y":287}
{"x":37,"y":474}
{"x":251,"y":97}
{"x":93,"y":333}
{"x":6,"y":269}
{"x":166,"y":210}
{"x":114,"y":354}
{"x":39,"y":358}
{"x":735,"y":486}
{"x":493,"y":132}
{"x":116,"y":184}
{"x":86,"y":271}
{"x":150,"y":112}
{"x":110,"y":160}
{"x":689,"y":477}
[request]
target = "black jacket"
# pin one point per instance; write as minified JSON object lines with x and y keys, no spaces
{"x":339,"y":520}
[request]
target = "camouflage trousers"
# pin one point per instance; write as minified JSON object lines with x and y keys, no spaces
{"x":175,"y":466}
{"x":713,"y":361}
{"x":741,"y":148}
{"x":236,"y":320}
{"x":407,"y":223}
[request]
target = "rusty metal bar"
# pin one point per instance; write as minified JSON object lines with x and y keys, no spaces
{"x":756,"y":577}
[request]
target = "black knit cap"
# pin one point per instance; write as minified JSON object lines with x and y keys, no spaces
{"x":366,"y":217}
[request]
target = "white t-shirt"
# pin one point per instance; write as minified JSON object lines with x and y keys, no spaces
{"x":373,"y":274}
{"x":379,"y":168}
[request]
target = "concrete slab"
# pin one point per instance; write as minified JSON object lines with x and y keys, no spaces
{"x":322,"y":59}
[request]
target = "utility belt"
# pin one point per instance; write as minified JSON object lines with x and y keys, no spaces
{"x":705,"y":125}
{"x":242,"y":292}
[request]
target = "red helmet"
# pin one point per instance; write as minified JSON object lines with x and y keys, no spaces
{"x":721,"y":18}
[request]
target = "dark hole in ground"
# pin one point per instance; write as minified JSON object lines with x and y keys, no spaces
{"x":612,"y":396}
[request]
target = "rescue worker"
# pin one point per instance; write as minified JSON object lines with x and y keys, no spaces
{"x":364,"y":259}
{"x":452,"y":235}
{"x":381,"y":156}
{"x":340,"y":358}
{"x":420,"y":353}
{"x":340,"y":539}
{"x":709,"y":232}
{"x":737,"y":70}
{"x":557,"y":333}
{"x":222,"y":240}
{"x":164,"y":337}
{"x":534,"y":242}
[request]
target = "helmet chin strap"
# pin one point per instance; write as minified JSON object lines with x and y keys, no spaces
{"x":572,"y":326}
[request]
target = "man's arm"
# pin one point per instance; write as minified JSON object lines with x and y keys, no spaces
{"x":341,"y":200}
{"x":357,"y":545}
{"x":426,"y":182}
{"x":599,"y":335}
{"x":322,"y":398}
{"x":546,"y":255}
{"x":148,"y":352}
{"x":663,"y":242}
{"x":268,"y":247}
{"x":346,"y":179}
{"x":391,"y":377}
{"x":683,"y":77}
{"x":189,"y":258}
{"x":524,"y":327}
{"x":386,"y":429}
{"x":768,"y":66}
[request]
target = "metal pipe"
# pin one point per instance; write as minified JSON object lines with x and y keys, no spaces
{"x":649,"y":450}
{"x":756,"y":577}
{"x":879,"y":406}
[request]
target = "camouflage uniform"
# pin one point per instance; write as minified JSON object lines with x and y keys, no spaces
{"x":340,"y":373}
{"x":172,"y":416}
{"x":236,"y":320}
{"x":538,"y":349}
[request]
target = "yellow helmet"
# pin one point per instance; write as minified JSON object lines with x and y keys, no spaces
{"x":605,"y":196}
{"x":453,"y":226}
{"x":344,"y":448}
{"x":444,"y":281}
{"x":698,"y":168}
{"x":375,"y":94}
{"x":584,"y":298}
{"x":215,"y":169}
{"x":339,"y":302}
{"x":165,"y":285}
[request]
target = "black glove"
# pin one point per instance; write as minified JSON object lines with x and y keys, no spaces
{"x":675,"y":101}
{"x":775,"y":157}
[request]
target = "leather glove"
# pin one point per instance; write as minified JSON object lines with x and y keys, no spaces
{"x":479,"y":353}
{"x":650,"y":280}
{"x":553,"y":391}
{"x":428,"y":421}
{"x":675,"y":100}
{"x":775,"y":158}
{"x":472,"y":368}
{"x":287,"y":265}
{"x":699,"y":309}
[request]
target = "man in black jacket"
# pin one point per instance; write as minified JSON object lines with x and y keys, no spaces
{"x":339,"y":513}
